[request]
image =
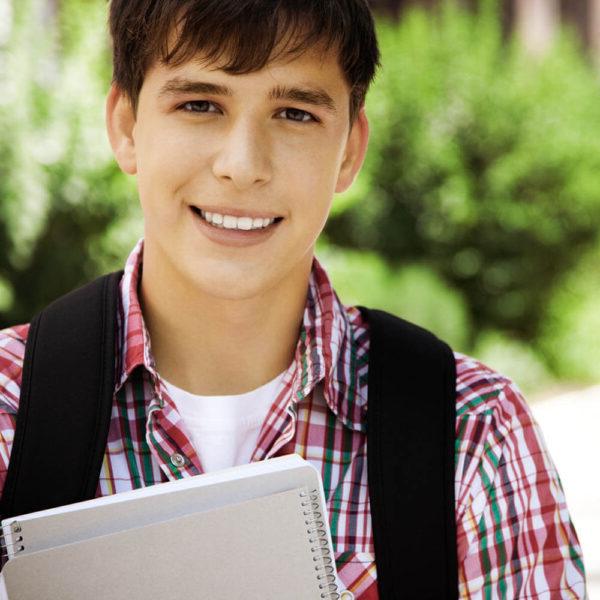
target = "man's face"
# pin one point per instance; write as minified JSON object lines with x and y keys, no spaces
{"x":242,"y":153}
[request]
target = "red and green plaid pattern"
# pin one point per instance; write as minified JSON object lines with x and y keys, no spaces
{"x":515,"y":537}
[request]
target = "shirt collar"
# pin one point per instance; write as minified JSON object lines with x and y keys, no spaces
{"x":325,"y":353}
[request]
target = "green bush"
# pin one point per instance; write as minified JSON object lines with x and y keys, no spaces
{"x":479,"y":196}
{"x":520,"y":361}
{"x":63,"y":201}
{"x":484,"y":164}
{"x":415,"y":292}
{"x":570,"y":337}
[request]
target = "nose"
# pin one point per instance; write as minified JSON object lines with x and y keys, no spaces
{"x":243,"y":158}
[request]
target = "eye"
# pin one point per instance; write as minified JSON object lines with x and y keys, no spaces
{"x":299,"y":116}
{"x":196,"y":106}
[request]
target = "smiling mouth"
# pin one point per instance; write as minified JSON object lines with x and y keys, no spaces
{"x":224,"y":221}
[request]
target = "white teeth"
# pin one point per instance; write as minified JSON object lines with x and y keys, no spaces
{"x":244,"y":223}
{"x":230,"y":222}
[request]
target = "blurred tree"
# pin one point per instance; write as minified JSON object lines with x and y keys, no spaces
{"x":483,"y":164}
{"x":536,"y":23}
{"x":569,"y":337}
{"x":480,"y":188}
{"x":66,"y":211}
{"x":594,"y":29}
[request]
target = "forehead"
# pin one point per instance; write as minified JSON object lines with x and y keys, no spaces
{"x":313,"y":66}
{"x":317,"y":65}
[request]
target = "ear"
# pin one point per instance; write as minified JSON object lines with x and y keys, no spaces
{"x":356,"y":149}
{"x":120,"y":122}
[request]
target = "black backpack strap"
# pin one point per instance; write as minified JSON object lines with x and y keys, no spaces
{"x":66,"y":400}
{"x":410,"y":458}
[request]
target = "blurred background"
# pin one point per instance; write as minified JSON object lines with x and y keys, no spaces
{"x":476,"y":215}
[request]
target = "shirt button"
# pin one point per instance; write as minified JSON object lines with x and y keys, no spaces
{"x":177,"y":460}
{"x":346,"y":595}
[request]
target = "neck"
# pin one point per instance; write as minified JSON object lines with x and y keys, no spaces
{"x":214,"y":346}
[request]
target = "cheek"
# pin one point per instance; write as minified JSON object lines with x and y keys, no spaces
{"x":309,"y":174}
{"x":166,"y":158}
{"x":312,"y":203}
{"x":166,"y":170}
{"x":311,"y":165}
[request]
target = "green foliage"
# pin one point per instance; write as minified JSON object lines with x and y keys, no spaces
{"x":60,"y":188}
{"x":515,"y":359}
{"x":415,"y":291}
{"x":483,"y":164}
{"x":570,"y":337}
{"x":478,"y":199}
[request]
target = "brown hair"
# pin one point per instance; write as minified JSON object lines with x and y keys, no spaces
{"x":245,"y":32}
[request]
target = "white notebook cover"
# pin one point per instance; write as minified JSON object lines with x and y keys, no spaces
{"x":245,"y":525}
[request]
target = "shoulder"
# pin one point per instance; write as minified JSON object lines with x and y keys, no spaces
{"x":489,"y":405}
{"x":509,"y":496}
{"x":482,"y":392}
{"x":12,"y":352}
{"x":494,"y":427}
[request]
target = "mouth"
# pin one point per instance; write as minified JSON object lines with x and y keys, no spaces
{"x":235,"y":223}
{"x":236,"y":231}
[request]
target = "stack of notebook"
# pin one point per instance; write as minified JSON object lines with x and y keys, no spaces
{"x":258,"y":531}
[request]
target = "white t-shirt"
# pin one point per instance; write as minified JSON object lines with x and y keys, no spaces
{"x":224,"y":429}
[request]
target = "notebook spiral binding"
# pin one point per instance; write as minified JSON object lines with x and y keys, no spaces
{"x":9,"y":550}
{"x":318,"y":539}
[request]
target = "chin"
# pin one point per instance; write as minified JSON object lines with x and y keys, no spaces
{"x":230,"y":284}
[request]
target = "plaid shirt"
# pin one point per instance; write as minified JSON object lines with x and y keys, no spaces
{"x":514,"y":535}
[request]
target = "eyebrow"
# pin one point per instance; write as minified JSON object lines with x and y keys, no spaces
{"x":307,"y":95}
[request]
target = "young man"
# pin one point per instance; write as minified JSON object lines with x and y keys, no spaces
{"x":240,"y":120}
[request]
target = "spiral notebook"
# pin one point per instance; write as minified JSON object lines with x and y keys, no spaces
{"x":257,"y":531}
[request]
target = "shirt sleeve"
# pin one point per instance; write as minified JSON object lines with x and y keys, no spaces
{"x":514,"y":533}
{"x":12,"y":350}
